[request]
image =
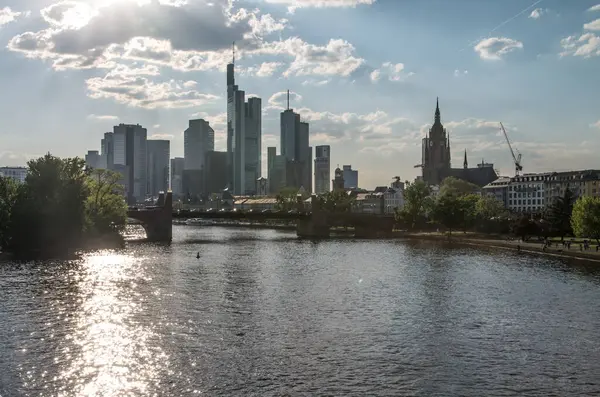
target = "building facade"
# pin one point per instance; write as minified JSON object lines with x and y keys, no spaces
{"x":215,"y":172}
{"x":277,"y":171}
{"x":295,"y":147}
{"x":130,"y":151}
{"x":107,"y":151}
{"x":159,"y":153}
{"x":253,"y":144}
{"x":16,"y":173}
{"x":198,"y":139}
{"x":322,"y":169}
{"x":435,"y":159}
{"x":338,"y":180}
{"x":177,"y":167}
{"x":93,"y":159}
{"x":350,"y":177}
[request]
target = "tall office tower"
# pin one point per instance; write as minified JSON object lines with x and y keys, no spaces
{"x":107,"y":151}
{"x":253,"y":144}
{"x":322,"y":169}
{"x":129,"y":157}
{"x":244,"y":140}
{"x":350,"y":177}
{"x":158,"y":166}
{"x":276,"y":171}
{"x":198,"y":139}
{"x":215,"y":172}
{"x":92,"y":159}
{"x":295,"y":148}
{"x":177,"y":167}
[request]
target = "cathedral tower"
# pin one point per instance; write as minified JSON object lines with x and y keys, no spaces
{"x":436,"y":151}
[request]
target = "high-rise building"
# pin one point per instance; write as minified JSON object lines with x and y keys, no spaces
{"x":158,"y":166}
{"x":107,"y":151}
{"x":129,"y":153}
{"x":215,"y":172}
{"x":253,"y":144}
{"x":350,"y":177}
{"x":244,"y":130}
{"x":322,"y":169}
{"x":177,"y":167}
{"x":295,"y":148}
{"x":93,"y":159}
{"x":277,"y":171}
{"x":198,"y":139}
{"x":338,"y":181}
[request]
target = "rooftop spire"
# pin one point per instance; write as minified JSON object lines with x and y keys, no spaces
{"x":288,"y":99}
{"x":233,"y":48}
{"x":437,"y":110}
{"x":466,"y":164}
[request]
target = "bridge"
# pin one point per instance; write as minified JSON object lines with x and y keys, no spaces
{"x":158,"y":220}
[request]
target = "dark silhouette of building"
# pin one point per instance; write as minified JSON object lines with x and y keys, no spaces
{"x":338,"y":181}
{"x":436,"y":163}
{"x":215,"y":172}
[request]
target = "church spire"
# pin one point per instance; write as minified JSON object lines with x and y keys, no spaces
{"x":466,"y":164}
{"x":437,"y":110}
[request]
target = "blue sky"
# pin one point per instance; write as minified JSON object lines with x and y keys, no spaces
{"x":364,"y":73}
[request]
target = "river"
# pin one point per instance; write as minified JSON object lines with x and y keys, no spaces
{"x":262,"y":313}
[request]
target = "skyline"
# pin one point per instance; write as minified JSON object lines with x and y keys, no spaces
{"x":530,"y":67}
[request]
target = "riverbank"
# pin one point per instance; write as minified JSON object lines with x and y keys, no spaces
{"x":501,"y":242}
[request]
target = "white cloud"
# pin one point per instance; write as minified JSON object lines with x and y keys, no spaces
{"x":538,"y":12}
{"x":127,"y":86}
{"x":596,"y":125}
{"x":162,"y":136}
{"x":7,"y":15}
{"x":587,"y":45}
{"x":594,"y":8}
{"x":394,"y":72}
{"x":594,"y":25}
{"x":156,"y":126}
{"x":493,"y":48}
{"x":101,"y":117}
{"x":295,"y":4}
{"x":278,"y":101}
{"x":315,"y":83}
{"x":458,"y":73}
{"x":265,"y":69}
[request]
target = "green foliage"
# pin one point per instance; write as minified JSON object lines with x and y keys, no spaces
{"x":454,"y":211}
{"x":488,"y":207}
{"x":559,"y":214}
{"x":336,"y":201}
{"x":8,"y":196}
{"x":525,"y":227}
{"x":586,"y":217}
{"x":286,"y":199}
{"x":59,"y":202}
{"x":105,"y":206}
{"x":417,"y":203}
{"x":456,"y":186}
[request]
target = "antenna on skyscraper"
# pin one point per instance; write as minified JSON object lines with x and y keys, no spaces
{"x":288,"y":100}
{"x":233,"y":62}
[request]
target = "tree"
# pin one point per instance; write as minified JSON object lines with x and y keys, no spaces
{"x":49,"y":213}
{"x":106,"y":208}
{"x":452,"y":185}
{"x":336,"y":201}
{"x":585,"y":219}
{"x":416,"y":203}
{"x":286,"y":198}
{"x":559,"y":214}
{"x":468,"y":203}
{"x":8,"y":195}
{"x":525,"y":227}
{"x":449,"y":211}
{"x":488,"y":207}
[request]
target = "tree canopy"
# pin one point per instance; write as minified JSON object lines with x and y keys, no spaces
{"x":54,"y":211}
{"x":453,"y":185}
{"x":586,"y":217}
{"x":417,"y":202}
{"x":559,"y":214}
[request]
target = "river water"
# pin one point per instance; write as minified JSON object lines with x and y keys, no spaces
{"x":262,"y":313}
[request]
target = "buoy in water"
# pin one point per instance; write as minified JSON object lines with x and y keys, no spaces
{"x":198,"y":255}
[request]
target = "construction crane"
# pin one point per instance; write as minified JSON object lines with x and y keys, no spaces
{"x":517,"y":158}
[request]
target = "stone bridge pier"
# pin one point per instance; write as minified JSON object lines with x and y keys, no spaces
{"x":315,"y":226}
{"x":157,"y":221}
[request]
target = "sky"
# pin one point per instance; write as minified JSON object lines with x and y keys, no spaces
{"x":364,"y":73}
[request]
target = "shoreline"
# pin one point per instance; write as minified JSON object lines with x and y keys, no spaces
{"x":496,"y":243}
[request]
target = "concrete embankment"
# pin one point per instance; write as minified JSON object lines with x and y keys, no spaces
{"x":514,"y":245}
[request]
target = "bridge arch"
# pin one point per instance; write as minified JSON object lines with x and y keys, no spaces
{"x":157,"y":221}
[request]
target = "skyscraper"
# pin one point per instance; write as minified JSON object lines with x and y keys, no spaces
{"x":129,"y":155}
{"x":107,"y":151}
{"x":177,"y":167}
{"x":295,"y":148}
{"x":198,"y":139}
{"x":322,"y":169}
{"x":350,"y":177}
{"x":244,"y":130}
{"x":93,"y":159}
{"x":158,"y":166}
